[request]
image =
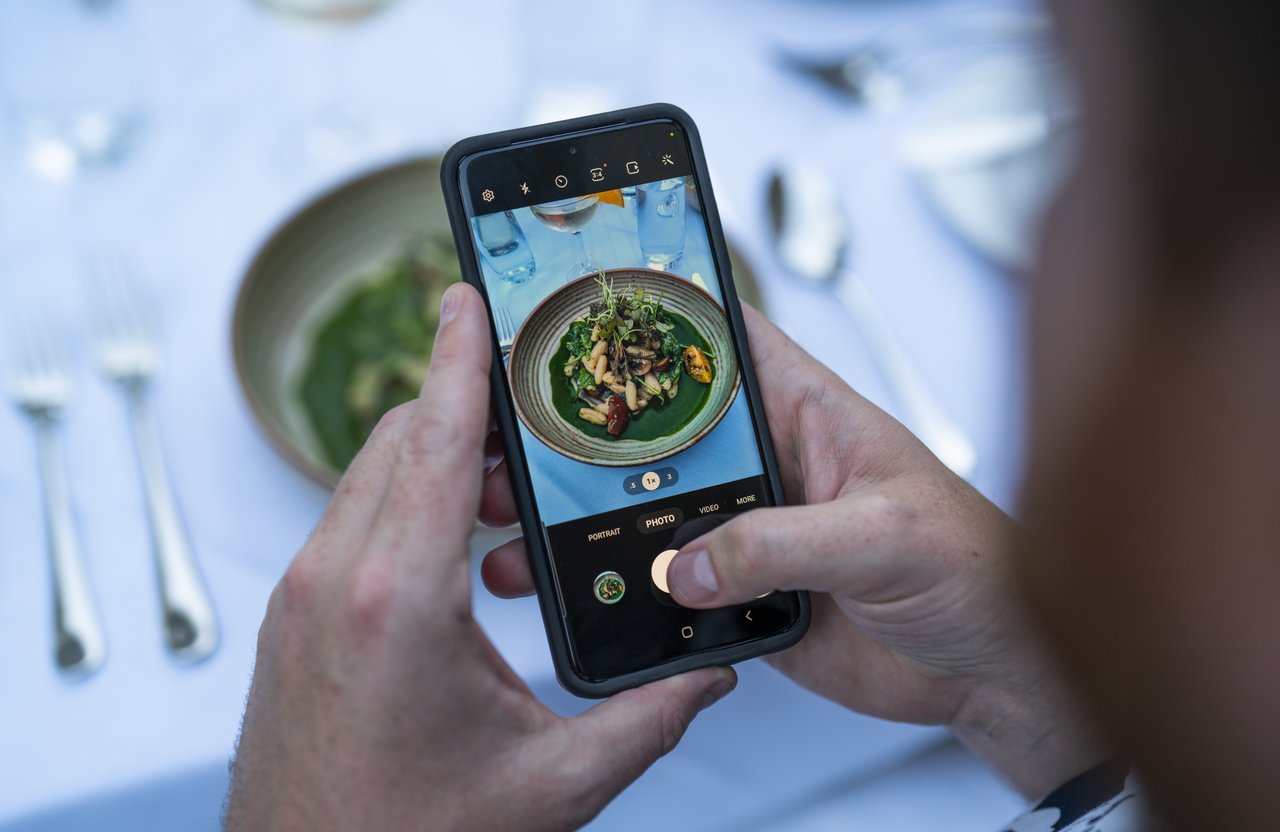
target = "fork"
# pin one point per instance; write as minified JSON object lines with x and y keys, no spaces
{"x":39,"y":381}
{"x":123,"y":328}
{"x":506,"y":329}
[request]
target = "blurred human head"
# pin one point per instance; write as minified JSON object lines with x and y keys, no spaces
{"x":1152,"y":551}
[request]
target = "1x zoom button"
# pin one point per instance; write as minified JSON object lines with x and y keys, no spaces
{"x":650,"y":480}
{"x":667,"y":518}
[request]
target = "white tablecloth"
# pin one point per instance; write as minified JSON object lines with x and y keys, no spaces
{"x":143,"y":744}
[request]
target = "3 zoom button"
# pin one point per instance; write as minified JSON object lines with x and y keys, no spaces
{"x":668,"y":518}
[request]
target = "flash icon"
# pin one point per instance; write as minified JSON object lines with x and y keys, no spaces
{"x":524,"y":188}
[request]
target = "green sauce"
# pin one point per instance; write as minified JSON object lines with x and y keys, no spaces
{"x":655,"y":421}
{"x":371,"y":354}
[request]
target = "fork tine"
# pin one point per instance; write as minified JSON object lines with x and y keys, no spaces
{"x":97,"y":297}
{"x":33,"y":348}
{"x":117,"y":306}
{"x":124,"y":306}
{"x":136,"y":299}
{"x":39,"y":361}
{"x":101,"y":277}
{"x":19,"y":350}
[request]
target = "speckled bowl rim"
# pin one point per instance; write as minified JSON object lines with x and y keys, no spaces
{"x":283,"y":442}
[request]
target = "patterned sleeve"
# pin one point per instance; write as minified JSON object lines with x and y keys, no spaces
{"x":1103,"y":799}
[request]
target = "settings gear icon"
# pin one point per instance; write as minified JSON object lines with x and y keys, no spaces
{"x":487,"y":195}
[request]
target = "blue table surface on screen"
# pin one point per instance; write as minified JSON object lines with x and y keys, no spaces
{"x":611,"y":240}
{"x":569,"y":490}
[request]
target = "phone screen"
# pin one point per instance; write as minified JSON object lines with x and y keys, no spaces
{"x":608,"y":303}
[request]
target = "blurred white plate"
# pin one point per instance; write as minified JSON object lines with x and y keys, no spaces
{"x":988,"y":150}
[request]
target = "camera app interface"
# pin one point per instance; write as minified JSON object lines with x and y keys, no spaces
{"x":609,"y":311}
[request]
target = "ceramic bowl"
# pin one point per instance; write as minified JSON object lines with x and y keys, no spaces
{"x":539,"y":337}
{"x":307,"y":267}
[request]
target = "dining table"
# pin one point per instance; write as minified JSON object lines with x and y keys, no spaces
{"x":227,"y":92}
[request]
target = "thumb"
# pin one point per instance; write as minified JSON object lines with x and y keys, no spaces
{"x":435,"y":488}
{"x":617,"y":740}
{"x":844,"y":546}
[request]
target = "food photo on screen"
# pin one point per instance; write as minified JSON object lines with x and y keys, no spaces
{"x":610,"y":315}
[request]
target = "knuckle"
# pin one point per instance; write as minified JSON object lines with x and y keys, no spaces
{"x":371,"y":598}
{"x":883,"y":518}
{"x":672,"y":725}
{"x":434,"y":432}
{"x":462,"y":349}
{"x":393,"y":418}
{"x":298,"y":587}
{"x":271,"y":619}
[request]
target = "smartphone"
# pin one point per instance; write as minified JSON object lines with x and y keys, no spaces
{"x":623,"y":388}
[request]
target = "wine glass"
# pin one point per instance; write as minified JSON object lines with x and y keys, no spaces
{"x":334,"y":11}
{"x":571,"y":215}
{"x":338,"y":131}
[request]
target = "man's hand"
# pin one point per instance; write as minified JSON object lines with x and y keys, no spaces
{"x":377,"y":701}
{"x":915,"y":617}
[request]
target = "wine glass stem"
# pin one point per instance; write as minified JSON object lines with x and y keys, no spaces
{"x":583,"y":262}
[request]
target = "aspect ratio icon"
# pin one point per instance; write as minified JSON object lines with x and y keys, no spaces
{"x":633,"y":168}
{"x":562,"y":181}
{"x":597,"y":174}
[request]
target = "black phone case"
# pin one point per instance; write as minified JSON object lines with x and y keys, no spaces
{"x":536,"y":543}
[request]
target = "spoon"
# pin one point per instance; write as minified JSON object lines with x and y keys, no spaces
{"x":811,"y":231}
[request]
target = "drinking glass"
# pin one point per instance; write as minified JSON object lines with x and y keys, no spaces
{"x":660,"y":215}
{"x":571,"y":215}
{"x":334,"y":11}
{"x":339,"y":131}
{"x":70,"y":83}
{"x":504,"y":246}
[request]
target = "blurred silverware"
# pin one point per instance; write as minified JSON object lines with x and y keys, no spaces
{"x":861,"y":75}
{"x":978,"y":140}
{"x":811,"y":231}
{"x":506,"y":329}
{"x":905,"y":58}
{"x":39,"y":380}
{"x":125,"y":341}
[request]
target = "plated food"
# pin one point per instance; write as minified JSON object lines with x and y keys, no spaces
{"x":372,"y":350}
{"x":319,"y":259}
{"x":625,"y":354}
{"x":622,"y":368}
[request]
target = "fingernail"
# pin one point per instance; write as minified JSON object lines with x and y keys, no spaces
{"x":692,"y":577}
{"x":719,"y":689}
{"x":450,"y":302}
